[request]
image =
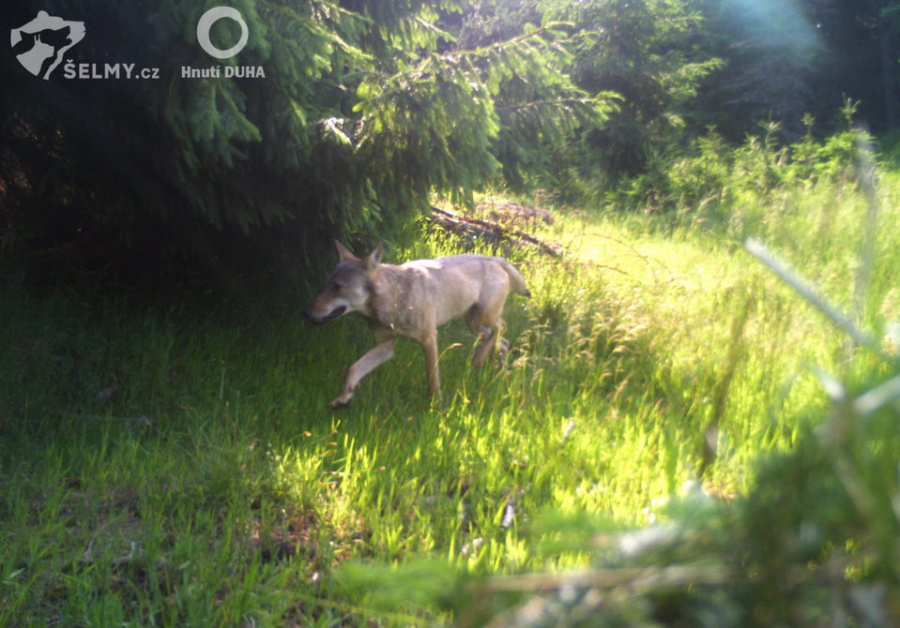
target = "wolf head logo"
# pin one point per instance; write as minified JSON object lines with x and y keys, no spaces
{"x":41,"y":44}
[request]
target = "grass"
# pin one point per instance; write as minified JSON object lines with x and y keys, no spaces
{"x":172,"y":466}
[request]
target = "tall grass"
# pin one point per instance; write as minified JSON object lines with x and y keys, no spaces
{"x":180,"y":466}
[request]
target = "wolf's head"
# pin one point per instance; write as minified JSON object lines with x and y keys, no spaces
{"x":347,"y":288}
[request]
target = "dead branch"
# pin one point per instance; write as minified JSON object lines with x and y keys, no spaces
{"x":490,"y":232}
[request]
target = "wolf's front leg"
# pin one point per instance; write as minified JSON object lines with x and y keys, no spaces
{"x":378,"y":354}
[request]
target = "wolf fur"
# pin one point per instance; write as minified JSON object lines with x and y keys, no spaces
{"x":413,"y":300}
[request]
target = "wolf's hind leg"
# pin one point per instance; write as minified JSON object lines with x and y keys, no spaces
{"x":487,"y":326}
{"x":488,"y":338}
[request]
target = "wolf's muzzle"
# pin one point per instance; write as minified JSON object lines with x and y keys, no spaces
{"x":321,"y":320}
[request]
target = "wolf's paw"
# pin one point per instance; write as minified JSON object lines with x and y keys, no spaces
{"x":503,"y":349}
{"x":341,"y":401}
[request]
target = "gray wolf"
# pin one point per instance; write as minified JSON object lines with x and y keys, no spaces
{"x":413,"y":300}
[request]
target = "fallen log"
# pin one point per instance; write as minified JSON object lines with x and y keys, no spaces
{"x":490,"y":232}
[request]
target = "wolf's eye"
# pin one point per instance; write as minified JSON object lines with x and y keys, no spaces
{"x":337,"y":286}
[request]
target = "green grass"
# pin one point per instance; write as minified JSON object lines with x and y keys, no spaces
{"x":214,"y":487}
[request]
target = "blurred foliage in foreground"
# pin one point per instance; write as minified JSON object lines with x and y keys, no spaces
{"x":814,"y":543}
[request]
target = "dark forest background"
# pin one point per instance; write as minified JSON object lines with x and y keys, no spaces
{"x":369,"y":108}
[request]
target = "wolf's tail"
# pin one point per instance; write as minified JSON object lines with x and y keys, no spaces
{"x":515,"y":277}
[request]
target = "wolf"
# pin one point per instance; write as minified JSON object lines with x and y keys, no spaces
{"x":413,"y":299}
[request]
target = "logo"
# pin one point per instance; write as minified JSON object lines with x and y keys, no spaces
{"x":40,"y":45}
{"x":204,"y":26}
{"x":206,"y":23}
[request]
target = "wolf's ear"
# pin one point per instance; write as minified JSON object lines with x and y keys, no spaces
{"x":375,"y":256}
{"x":344,"y":253}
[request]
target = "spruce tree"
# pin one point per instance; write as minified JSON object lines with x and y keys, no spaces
{"x":364,"y":110}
